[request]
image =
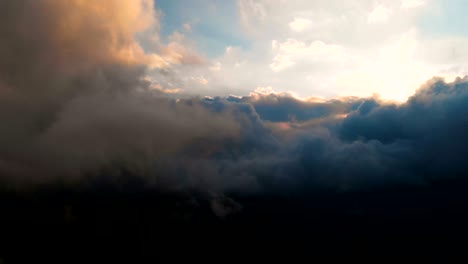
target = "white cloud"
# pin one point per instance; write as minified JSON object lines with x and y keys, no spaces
{"x":251,"y":11}
{"x":300,"y":24}
{"x":408,"y":4}
{"x":216,"y":67}
{"x":263,"y":90}
{"x":293,"y":50}
{"x":187,"y":27}
{"x":200,"y":80}
{"x":281,"y":62}
{"x":274,"y":44}
{"x":379,"y":14}
{"x":156,"y":86}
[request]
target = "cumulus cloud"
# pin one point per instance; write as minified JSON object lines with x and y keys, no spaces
{"x":376,"y":142}
{"x":346,"y":143}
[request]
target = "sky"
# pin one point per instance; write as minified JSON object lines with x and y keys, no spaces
{"x":316,"y":48}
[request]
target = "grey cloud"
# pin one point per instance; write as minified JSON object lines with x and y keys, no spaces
{"x":377,"y":143}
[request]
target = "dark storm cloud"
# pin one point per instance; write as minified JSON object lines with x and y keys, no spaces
{"x":433,"y":124}
{"x":355,"y":143}
{"x":77,"y":109}
{"x":276,"y":108}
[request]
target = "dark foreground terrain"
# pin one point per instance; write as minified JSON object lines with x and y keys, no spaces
{"x":141,"y":224}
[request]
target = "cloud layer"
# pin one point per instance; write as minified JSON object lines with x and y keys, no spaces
{"x":76,"y":106}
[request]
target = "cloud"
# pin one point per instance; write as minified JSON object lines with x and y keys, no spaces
{"x":292,"y":50}
{"x":75,"y":98}
{"x":350,"y":143}
{"x":201,"y":80}
{"x":283,"y":107}
{"x":408,"y":4}
{"x":417,"y":141}
{"x":216,"y":67}
{"x":300,"y":24}
{"x":187,"y":27}
{"x":379,"y":14}
{"x":104,"y":35}
{"x":251,"y":11}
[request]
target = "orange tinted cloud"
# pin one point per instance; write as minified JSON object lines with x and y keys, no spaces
{"x":55,"y":37}
{"x":100,"y":31}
